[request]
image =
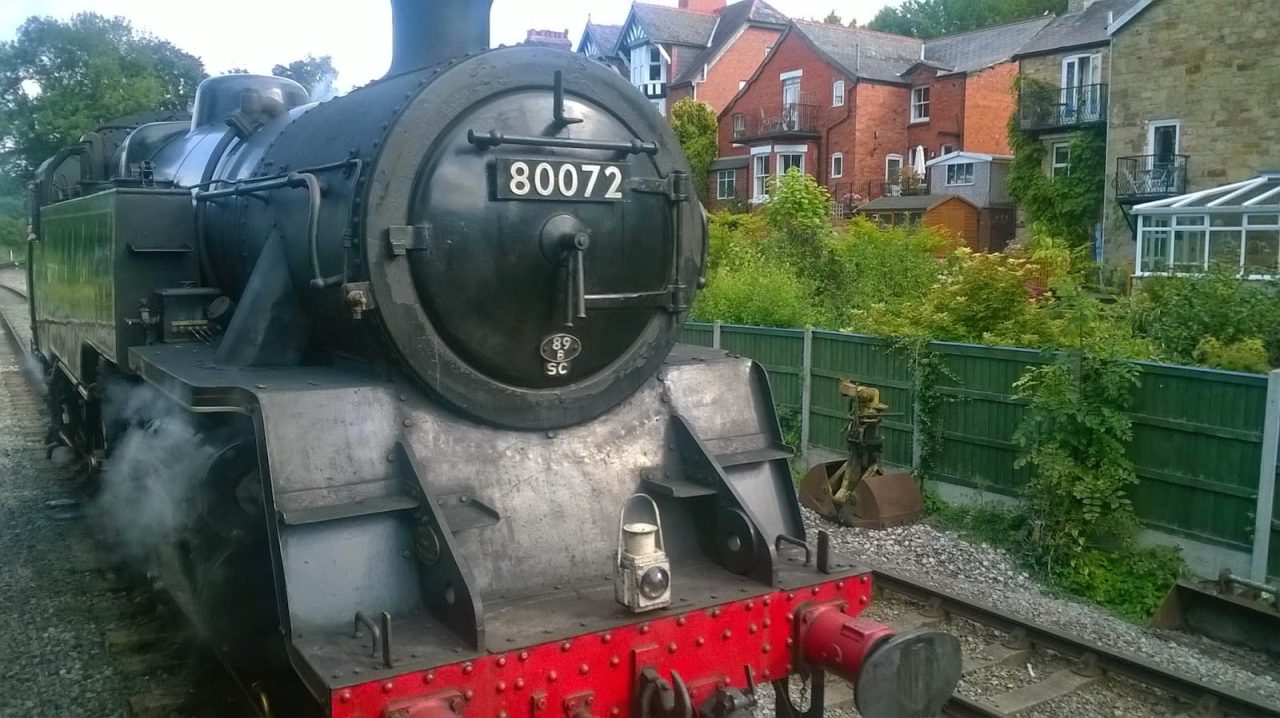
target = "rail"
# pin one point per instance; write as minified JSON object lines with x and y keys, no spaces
{"x":789,"y":120}
{"x":1224,"y":699}
{"x":1142,"y":178}
{"x":1062,"y":107}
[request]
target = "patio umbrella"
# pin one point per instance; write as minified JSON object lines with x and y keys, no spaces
{"x":917,"y":164}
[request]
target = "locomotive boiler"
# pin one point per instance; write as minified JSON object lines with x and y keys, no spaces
{"x":427,"y":332}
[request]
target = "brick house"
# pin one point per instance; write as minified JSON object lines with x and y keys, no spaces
{"x":854,"y":107}
{"x":1190,"y":111}
{"x":702,"y":49}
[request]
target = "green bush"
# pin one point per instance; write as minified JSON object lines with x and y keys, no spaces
{"x":1132,"y":582}
{"x":752,"y":290}
{"x":1178,"y":313}
{"x":1243,"y":355}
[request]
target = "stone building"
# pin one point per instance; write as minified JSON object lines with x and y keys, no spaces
{"x":1193,"y":105}
{"x":1065,"y":66}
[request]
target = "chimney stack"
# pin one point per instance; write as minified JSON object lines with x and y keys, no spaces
{"x":1075,"y":6}
{"x":429,"y":32}
{"x":704,"y":7}
{"x":548,"y":38}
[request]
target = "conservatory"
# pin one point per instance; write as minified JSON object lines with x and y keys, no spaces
{"x":1236,"y":226}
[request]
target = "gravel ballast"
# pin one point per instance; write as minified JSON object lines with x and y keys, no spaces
{"x":53,"y":624}
{"x":981,"y":572}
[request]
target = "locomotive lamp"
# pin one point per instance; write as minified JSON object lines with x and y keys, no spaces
{"x":642,"y":581}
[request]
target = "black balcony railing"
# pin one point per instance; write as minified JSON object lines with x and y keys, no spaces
{"x":1143,"y":178}
{"x":1062,"y":108}
{"x":793,"y":120}
{"x":904,"y":186}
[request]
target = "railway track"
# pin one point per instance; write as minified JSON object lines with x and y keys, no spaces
{"x":1069,"y":666}
{"x":139,"y":639}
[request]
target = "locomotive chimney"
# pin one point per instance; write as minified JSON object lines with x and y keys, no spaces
{"x":428,"y":32}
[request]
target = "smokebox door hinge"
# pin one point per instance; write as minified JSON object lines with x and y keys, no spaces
{"x":402,"y":238}
{"x":675,"y":186}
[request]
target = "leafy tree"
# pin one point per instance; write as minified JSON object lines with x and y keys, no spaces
{"x":60,"y":79}
{"x":833,"y":19}
{"x":317,"y":74}
{"x":695,"y":126}
{"x":929,"y":18}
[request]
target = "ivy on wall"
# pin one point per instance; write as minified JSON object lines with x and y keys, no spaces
{"x":1066,"y":206}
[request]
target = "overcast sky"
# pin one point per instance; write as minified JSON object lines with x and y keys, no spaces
{"x":256,"y":34}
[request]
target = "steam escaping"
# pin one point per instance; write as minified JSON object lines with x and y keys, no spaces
{"x":153,"y":470}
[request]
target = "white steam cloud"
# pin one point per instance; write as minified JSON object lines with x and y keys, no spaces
{"x":154,"y":467}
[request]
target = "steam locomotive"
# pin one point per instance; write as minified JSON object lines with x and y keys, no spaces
{"x":456,"y":463}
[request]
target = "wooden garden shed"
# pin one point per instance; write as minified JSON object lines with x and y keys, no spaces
{"x":949,"y":212}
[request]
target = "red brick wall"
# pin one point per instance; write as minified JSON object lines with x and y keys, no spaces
{"x":707,"y":7}
{"x":736,"y":64}
{"x":946,"y":111}
{"x":880,"y":129}
{"x":677,"y":94}
{"x":988,"y":105}
{"x":765,"y":93}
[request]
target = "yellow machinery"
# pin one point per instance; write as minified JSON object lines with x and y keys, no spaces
{"x":857,"y":491}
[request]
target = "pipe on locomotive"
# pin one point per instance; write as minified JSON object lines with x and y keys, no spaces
{"x":429,"y":32}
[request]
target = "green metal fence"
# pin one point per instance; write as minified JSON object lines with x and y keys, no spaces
{"x":1198,"y":433}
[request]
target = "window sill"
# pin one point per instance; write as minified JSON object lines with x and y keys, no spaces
{"x":921,"y":121}
{"x":961,"y":184}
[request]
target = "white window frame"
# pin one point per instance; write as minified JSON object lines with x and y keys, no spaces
{"x":1194,"y":223}
{"x":760,"y":180}
{"x":917,"y":113}
{"x":1054,"y":165}
{"x":789,"y":153}
{"x":953,"y":174}
{"x":642,"y":64}
{"x":1151,"y":134}
{"x":887,"y":158}
{"x":837,"y":93}
{"x":721,"y":176}
{"x":1095,"y":69}
{"x":944,"y":149}
{"x":837,"y":158}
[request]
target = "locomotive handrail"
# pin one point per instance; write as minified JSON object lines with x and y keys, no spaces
{"x":308,"y":180}
{"x":493,"y":138}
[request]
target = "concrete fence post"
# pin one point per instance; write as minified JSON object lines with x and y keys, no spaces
{"x":715,"y":334}
{"x":806,"y":393}
{"x":1266,"y":480}
{"x":917,"y":441}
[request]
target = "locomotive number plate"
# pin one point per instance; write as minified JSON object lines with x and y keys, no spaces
{"x":518,"y":178}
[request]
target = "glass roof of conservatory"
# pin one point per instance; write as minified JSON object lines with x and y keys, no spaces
{"x":1236,"y":226}
{"x":1260,"y":194}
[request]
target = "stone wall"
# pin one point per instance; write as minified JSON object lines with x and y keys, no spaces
{"x":1214,"y":67}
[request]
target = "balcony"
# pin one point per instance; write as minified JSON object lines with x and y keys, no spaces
{"x":1060,"y":109}
{"x":793,"y":121}
{"x":904,"y":186}
{"x":1143,"y":178}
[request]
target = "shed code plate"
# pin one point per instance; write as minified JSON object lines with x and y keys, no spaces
{"x":531,"y":178}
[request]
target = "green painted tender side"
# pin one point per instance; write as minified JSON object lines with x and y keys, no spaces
{"x":96,"y":264}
